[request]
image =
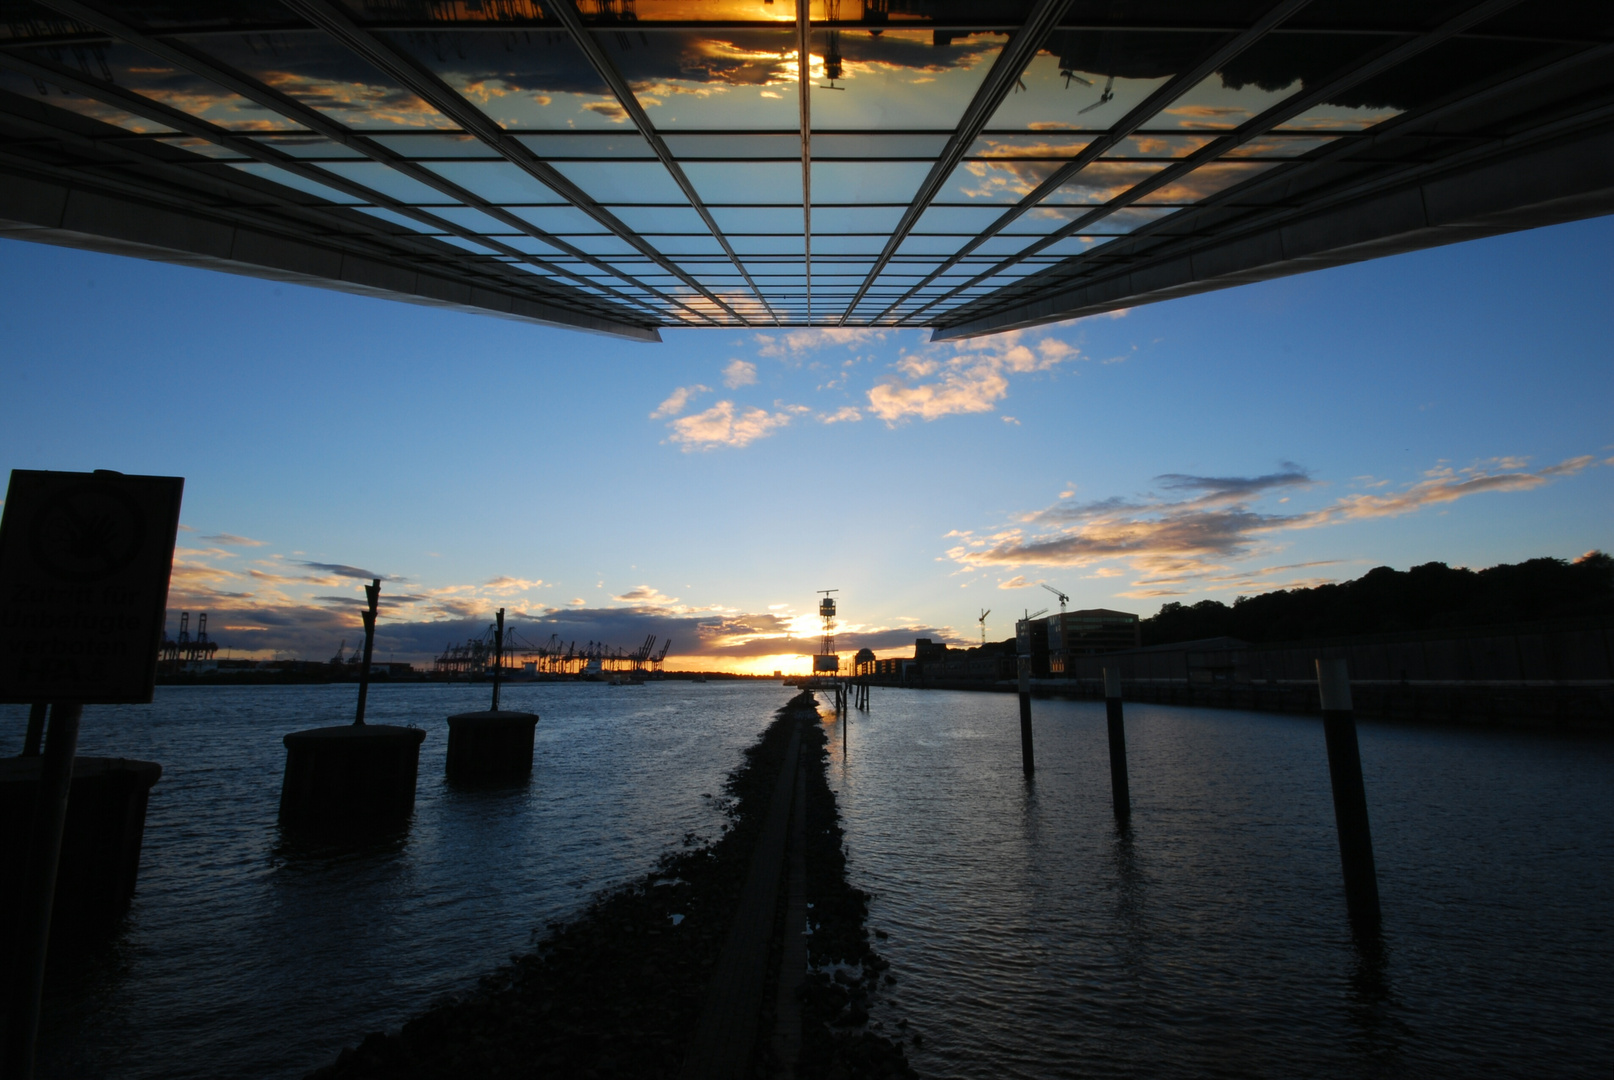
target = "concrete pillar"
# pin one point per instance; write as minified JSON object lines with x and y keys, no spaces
{"x":349,"y":781}
{"x":490,"y":747}
{"x":1350,"y":797}
{"x":1119,"y":791}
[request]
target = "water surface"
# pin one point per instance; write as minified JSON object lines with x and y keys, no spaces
{"x":1030,"y":937}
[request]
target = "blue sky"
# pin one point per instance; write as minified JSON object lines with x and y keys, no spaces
{"x":1449,"y":405}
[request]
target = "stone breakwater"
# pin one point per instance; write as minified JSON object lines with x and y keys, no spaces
{"x":618,"y":991}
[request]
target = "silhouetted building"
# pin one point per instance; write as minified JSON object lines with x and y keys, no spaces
{"x":1092,"y":630}
{"x":1031,"y":639}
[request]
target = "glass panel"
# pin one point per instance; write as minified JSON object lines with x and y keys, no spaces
{"x":735,"y":147}
{"x":957,"y":219}
{"x":1005,"y":182}
{"x":1041,"y":144}
{"x":747,"y":181}
{"x":855,"y":219}
{"x":379,"y":177}
{"x":621,"y":144}
{"x":495,"y":181}
{"x":705,"y":244}
{"x":623,"y":181}
{"x":292,"y":180}
{"x":711,"y":78}
{"x":758,"y":219}
{"x":897,"y":79}
{"x":424,"y":145}
{"x":314,"y":69}
{"x":52,"y":94}
{"x":308,"y":146}
{"x":1273,"y":69}
{"x":847,"y":245}
{"x":1102,"y":181}
{"x":660,"y":219}
{"x":466,"y":218}
{"x":138,"y":71}
{"x":848,"y":182}
{"x":1278,"y":145}
{"x":400,"y":219}
{"x":559,"y":220}
{"x":1090,"y":80}
{"x":883,"y":145}
{"x":1157,"y":146}
{"x":785,"y":246}
{"x":203,"y":148}
{"x":545,"y":83}
{"x":1205,"y":181}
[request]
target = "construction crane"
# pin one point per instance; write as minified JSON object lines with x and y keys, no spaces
{"x":982,"y":620}
{"x":1063,"y":599}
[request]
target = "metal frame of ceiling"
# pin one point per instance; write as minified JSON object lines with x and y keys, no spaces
{"x":1525,"y":145}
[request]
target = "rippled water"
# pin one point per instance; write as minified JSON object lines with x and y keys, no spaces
{"x":241,"y":958}
{"x":1027,"y":936}
{"x":1030,"y":938}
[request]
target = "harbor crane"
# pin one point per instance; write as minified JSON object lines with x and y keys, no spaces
{"x":1063,"y":599}
{"x":982,"y":620}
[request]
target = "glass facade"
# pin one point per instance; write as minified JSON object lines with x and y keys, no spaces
{"x":964,"y":166}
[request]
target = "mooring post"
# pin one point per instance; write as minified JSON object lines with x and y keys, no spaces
{"x":1350,"y":798}
{"x":1028,"y":760}
{"x":39,"y":895}
{"x":498,"y":659}
{"x":36,"y":729}
{"x":373,"y":592}
{"x":1119,"y":790}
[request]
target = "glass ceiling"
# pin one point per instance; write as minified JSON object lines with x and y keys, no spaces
{"x":649,"y":163}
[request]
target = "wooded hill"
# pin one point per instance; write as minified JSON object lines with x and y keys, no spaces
{"x":1384,"y":600}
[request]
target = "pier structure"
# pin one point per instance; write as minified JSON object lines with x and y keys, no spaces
{"x":355,"y":780}
{"x":493,"y":746}
{"x":174,"y":653}
{"x":509,"y":655}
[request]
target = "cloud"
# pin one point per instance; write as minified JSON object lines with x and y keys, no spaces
{"x":724,"y":425}
{"x":1016,"y":582}
{"x":967,"y":377}
{"x":343,"y":570}
{"x":796,"y":342}
{"x":511,"y":584}
{"x":677,"y":400}
{"x":845,"y":414}
{"x":1189,"y":536}
{"x":739,"y":373}
{"x":646,"y":594}
{"x":234,"y":540}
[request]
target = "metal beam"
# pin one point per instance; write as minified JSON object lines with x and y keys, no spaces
{"x":1006,"y":70}
{"x":1378,"y":61}
{"x":187,"y":124}
{"x":1181,"y":234}
{"x":283,"y":104}
{"x":804,"y":82}
{"x":566,"y":12}
{"x":68,"y":212}
{"x":1121,"y":129}
{"x":1567,"y":181}
{"x":425,"y":84}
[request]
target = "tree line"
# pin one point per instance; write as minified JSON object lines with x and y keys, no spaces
{"x":1385,"y":600}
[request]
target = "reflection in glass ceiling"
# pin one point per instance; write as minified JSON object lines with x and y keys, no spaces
{"x":624,"y":165}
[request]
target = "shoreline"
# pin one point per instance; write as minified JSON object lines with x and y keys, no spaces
{"x":619,"y":989}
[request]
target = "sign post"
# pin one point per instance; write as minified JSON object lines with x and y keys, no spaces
{"x":84,"y":565}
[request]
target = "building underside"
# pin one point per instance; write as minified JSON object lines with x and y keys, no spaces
{"x":625,"y":165}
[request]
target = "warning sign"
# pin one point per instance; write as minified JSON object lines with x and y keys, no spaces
{"x":84,"y":565}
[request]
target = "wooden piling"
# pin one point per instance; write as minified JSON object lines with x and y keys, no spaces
{"x":1350,"y":797}
{"x":1120,"y":793}
{"x":1028,"y":760}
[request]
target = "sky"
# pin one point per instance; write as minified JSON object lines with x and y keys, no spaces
{"x":1449,"y":405}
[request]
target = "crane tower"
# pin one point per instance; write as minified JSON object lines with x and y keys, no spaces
{"x":827,"y":660}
